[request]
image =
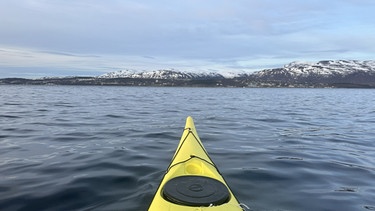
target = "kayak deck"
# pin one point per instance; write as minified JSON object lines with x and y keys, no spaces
{"x":192,"y":180}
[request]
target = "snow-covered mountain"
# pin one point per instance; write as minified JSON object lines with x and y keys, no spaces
{"x":341,"y":73}
{"x":322,"y":68}
{"x":162,"y":74}
{"x":292,"y":70}
{"x":346,"y":73}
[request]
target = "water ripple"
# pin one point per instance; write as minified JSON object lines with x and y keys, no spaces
{"x":106,"y":148}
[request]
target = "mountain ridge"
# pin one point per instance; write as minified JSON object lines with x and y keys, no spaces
{"x":326,"y":73}
{"x":161,"y":74}
{"x":330,"y":72}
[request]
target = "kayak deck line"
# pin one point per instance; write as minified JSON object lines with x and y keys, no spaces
{"x":192,"y":181}
{"x":192,"y":155}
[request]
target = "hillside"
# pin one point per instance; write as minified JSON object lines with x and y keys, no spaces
{"x":341,"y":73}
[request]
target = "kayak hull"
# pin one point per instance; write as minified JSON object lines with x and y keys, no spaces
{"x":199,"y":176}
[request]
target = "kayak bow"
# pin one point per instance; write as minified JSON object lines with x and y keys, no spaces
{"x":192,"y":180}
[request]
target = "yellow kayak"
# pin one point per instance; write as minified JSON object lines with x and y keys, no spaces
{"x":192,"y":180}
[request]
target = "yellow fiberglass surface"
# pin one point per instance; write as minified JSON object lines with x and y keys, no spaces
{"x":191,"y":160}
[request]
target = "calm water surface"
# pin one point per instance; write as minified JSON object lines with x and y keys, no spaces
{"x":106,"y":148}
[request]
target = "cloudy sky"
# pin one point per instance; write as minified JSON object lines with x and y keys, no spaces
{"x":92,"y":37}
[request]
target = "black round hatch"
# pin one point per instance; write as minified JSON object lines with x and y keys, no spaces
{"x":195,"y":191}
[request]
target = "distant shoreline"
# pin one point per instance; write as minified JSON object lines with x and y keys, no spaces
{"x":240,"y":82}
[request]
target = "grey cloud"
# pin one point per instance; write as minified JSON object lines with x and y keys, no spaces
{"x":212,"y":30}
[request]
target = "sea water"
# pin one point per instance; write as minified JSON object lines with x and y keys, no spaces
{"x":106,"y":148}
